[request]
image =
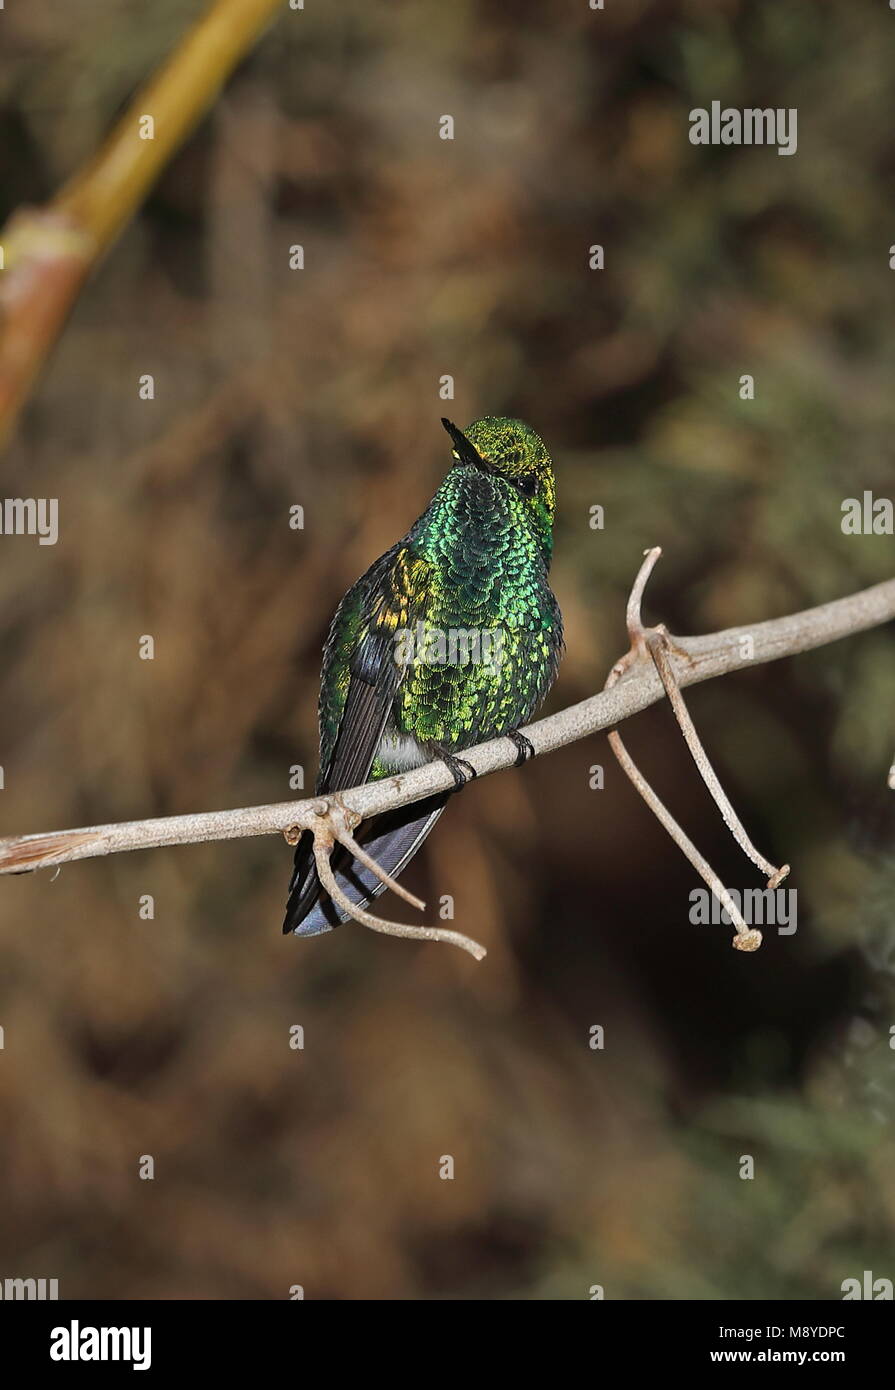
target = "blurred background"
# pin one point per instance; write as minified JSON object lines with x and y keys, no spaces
{"x":320,"y":387}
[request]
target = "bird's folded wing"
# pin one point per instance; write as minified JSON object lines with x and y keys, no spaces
{"x":392,"y":604}
{"x":375,"y":677}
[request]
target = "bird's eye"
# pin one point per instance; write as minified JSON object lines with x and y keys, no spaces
{"x":527,"y":484}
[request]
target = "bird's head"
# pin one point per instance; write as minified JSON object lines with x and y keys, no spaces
{"x":511,"y":450}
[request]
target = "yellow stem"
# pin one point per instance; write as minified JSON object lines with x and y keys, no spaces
{"x":50,"y":251}
{"x":102,"y":197}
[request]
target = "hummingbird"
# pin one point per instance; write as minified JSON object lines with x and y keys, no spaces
{"x":450,"y":638}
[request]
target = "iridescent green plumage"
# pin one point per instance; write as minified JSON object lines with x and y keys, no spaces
{"x":450,"y":638}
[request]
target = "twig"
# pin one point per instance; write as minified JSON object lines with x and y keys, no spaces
{"x":334,"y":822}
{"x":361,"y":855}
{"x":334,"y":819}
{"x":746,"y":938}
{"x":322,"y":852}
{"x":657,"y":646}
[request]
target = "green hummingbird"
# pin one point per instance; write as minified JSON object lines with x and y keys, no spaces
{"x":452,"y":637}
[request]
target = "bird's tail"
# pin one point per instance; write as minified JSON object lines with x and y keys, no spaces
{"x":392,"y":839}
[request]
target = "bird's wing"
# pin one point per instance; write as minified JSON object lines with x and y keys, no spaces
{"x":362,"y":639}
{"x":393,"y":596}
{"x":374,"y":679}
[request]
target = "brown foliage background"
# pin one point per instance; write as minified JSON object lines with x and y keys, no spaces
{"x":170,"y":1037}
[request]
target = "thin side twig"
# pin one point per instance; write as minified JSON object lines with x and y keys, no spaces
{"x":342,"y":821}
{"x":657,"y":646}
{"x":747,"y":938}
{"x":323,"y":848}
{"x":334,"y":822}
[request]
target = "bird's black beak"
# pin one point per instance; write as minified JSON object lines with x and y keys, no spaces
{"x":465,"y":451}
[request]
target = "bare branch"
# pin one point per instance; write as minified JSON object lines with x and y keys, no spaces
{"x":715,"y":654}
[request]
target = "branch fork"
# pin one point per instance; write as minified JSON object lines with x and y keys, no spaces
{"x":657,"y":644}
{"x":331,"y":822}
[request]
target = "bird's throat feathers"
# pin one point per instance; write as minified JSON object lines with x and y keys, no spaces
{"x":474,"y":513}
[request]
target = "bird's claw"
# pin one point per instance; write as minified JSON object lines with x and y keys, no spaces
{"x":524,"y":746}
{"x":461,"y":771}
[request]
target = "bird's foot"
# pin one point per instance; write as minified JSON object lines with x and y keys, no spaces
{"x":461,"y":771}
{"x":525,"y":747}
